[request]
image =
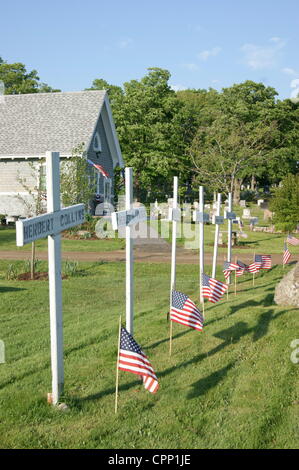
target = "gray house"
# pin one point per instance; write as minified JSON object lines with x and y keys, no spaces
{"x":32,"y":124}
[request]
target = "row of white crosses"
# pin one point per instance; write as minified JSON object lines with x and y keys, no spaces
{"x":51,"y":225}
{"x":200,"y":217}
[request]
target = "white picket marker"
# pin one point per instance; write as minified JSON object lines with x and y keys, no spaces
{"x":201,"y":217}
{"x":217,"y":220}
{"x":52,"y":224}
{"x":230,"y":216}
{"x":127,"y":219}
{"x":174,"y":217}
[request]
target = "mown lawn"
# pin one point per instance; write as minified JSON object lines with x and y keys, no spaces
{"x":231,"y":386}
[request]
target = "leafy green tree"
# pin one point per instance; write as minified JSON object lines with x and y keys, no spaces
{"x":18,"y":81}
{"x":77,"y":180}
{"x":114,"y":92}
{"x":150,"y":133}
{"x":285,"y":204}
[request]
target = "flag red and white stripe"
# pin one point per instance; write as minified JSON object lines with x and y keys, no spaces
{"x":292,"y":240}
{"x":183,"y":310}
{"x":286,"y":255}
{"x":132,"y":359}
{"x":99,"y":168}
{"x":212,"y":289}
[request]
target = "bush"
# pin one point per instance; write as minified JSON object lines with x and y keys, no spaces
{"x":285,"y":204}
{"x":12,"y":272}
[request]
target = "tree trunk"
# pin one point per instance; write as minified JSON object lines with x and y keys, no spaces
{"x":253,"y":183}
{"x":237,"y":191}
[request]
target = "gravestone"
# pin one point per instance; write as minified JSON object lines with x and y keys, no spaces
{"x":287,"y":291}
{"x":267,"y":214}
{"x":246,"y":214}
{"x":242,"y":203}
{"x":260,"y":201}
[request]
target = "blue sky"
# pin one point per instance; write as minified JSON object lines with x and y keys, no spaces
{"x":202,"y":43}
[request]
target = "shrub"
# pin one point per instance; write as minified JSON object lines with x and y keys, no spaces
{"x":285,"y":204}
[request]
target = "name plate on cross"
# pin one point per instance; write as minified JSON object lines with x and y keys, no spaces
{"x":217,"y":219}
{"x":29,"y":230}
{"x":128,"y":217}
{"x":229,"y":215}
{"x":201,"y":217}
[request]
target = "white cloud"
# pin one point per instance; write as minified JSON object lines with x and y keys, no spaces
{"x":260,"y":57}
{"x":294,"y":83}
{"x":124,"y":43}
{"x":191,"y":66}
{"x":289,"y":71}
{"x":275,"y":39}
{"x":204,"y":55}
{"x":178,"y":87}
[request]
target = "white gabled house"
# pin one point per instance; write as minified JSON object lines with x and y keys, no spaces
{"x":35,"y":123}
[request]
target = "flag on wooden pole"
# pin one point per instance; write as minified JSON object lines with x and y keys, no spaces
{"x":292,"y":240}
{"x":183,"y":310}
{"x":286,"y":255}
{"x":263,"y":261}
{"x":133,"y":359}
{"x":228,"y":267}
{"x":243,"y":268}
{"x":213,"y":289}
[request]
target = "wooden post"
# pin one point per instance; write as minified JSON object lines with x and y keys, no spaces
{"x":117,"y":369}
{"x":55,"y":282}
{"x":129,"y":255}
{"x":173,"y":256}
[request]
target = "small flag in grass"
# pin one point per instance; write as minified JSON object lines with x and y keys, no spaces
{"x":212,"y":289}
{"x":286,"y":255}
{"x":228,"y":267}
{"x":133,"y":359}
{"x":242,"y":268}
{"x":184,"y":311}
{"x":263,"y":261}
{"x":292,"y":240}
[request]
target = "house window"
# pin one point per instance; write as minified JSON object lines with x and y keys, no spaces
{"x":107,"y":189}
{"x":97,"y":145}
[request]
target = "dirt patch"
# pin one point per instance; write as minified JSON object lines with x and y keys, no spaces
{"x":43,"y":276}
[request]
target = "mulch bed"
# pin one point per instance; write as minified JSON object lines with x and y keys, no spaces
{"x":43,"y":276}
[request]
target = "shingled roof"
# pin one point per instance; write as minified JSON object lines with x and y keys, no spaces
{"x":32,"y":124}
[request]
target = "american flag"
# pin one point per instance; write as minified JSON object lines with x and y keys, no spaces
{"x":292,"y":240}
{"x":263,"y":261}
{"x":286,"y":255}
{"x":184,"y":311}
{"x":212,"y":289}
{"x":254,"y":268}
{"x":228,"y":267}
{"x":99,"y":168}
{"x":132,"y":359}
{"x":242,"y":268}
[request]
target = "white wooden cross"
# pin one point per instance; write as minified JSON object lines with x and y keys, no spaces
{"x":218,"y":220}
{"x":174,"y":216}
{"x":127,"y":219}
{"x":230,"y":216}
{"x":51,"y":224}
{"x":201,"y":217}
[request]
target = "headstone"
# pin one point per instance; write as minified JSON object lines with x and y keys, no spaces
{"x":242,"y":203}
{"x":260,"y":201}
{"x":267,"y":214}
{"x":246,"y":214}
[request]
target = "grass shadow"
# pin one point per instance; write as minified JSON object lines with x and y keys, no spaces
{"x":10,"y":289}
{"x":202,"y":386}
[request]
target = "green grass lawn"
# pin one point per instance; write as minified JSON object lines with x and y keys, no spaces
{"x":231,"y":386}
{"x":8,"y":242}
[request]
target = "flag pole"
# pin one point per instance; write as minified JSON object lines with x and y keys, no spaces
{"x":217,"y":228}
{"x":203,"y":308}
{"x":253,"y":273}
{"x":201,"y":242}
{"x":117,"y":369}
{"x":173,"y":255}
{"x":284,"y":242}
